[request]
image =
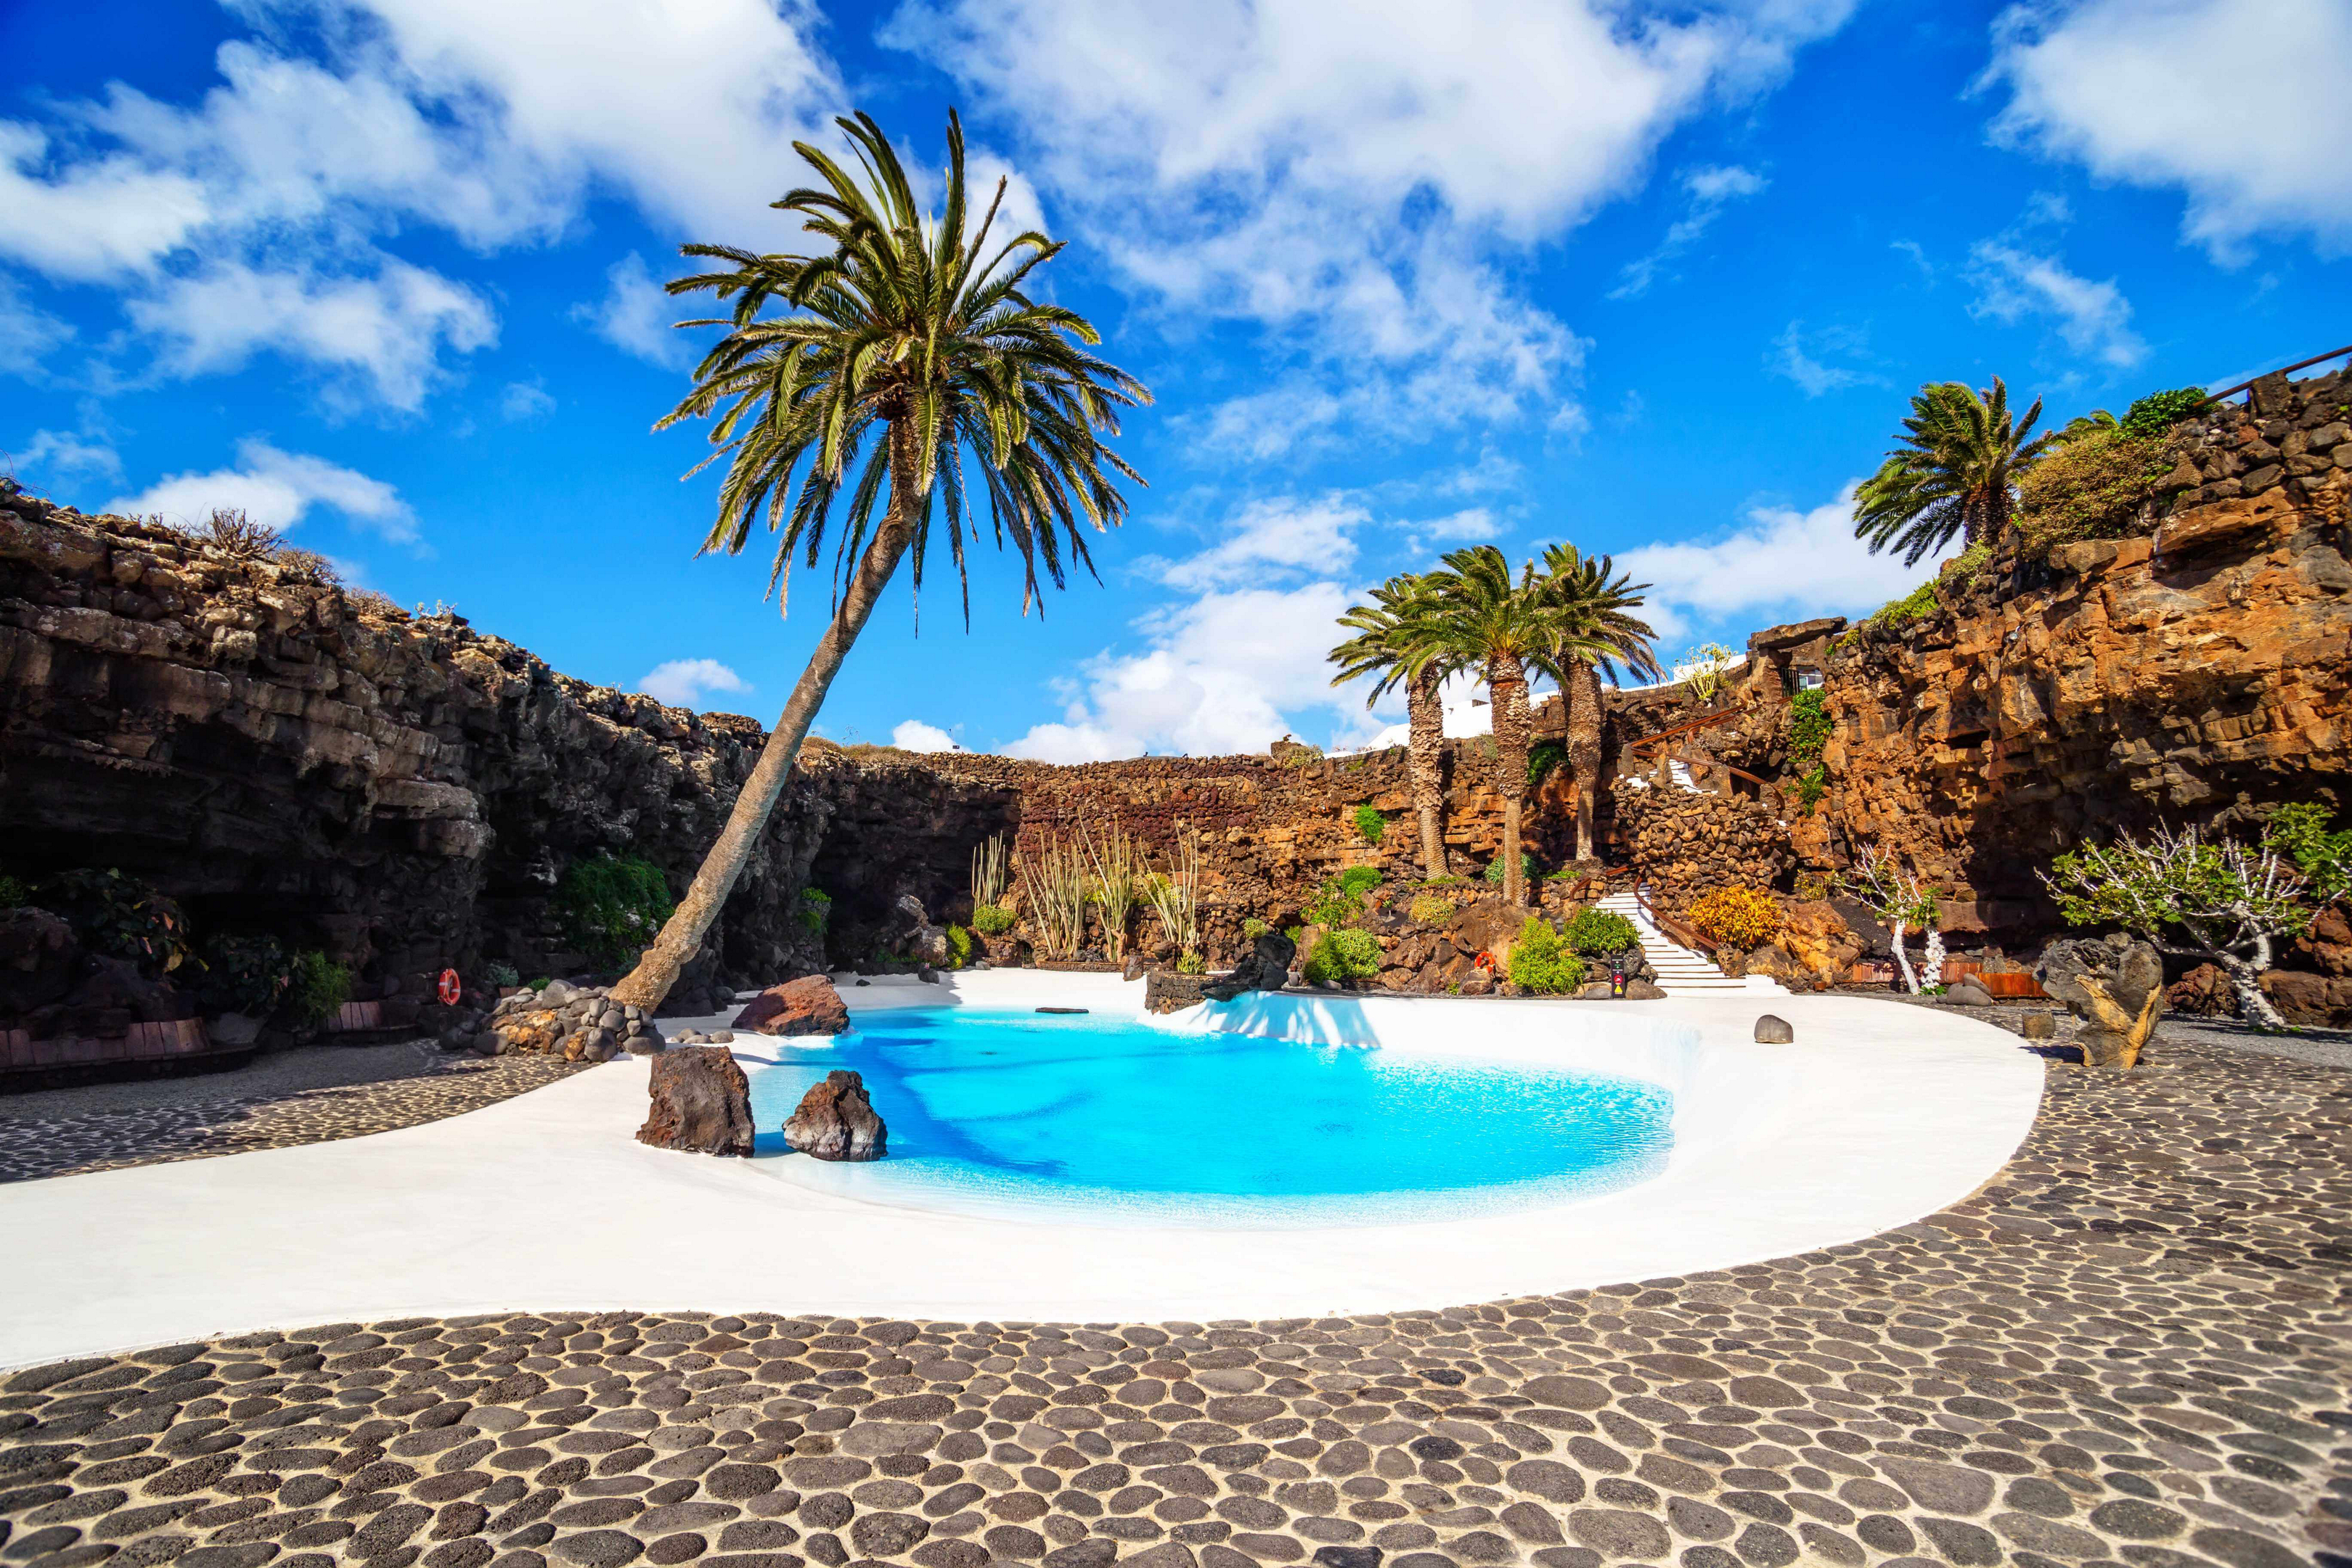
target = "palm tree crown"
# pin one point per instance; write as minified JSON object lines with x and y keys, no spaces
{"x":1955,"y":472}
{"x":1392,"y":644}
{"x":898,"y":323}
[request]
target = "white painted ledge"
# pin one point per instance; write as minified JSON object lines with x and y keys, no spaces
{"x":1878,"y":1115}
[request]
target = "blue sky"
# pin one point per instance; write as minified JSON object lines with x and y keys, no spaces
{"x":1403,"y":277}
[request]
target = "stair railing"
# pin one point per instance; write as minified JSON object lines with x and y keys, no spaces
{"x":1669,"y":924}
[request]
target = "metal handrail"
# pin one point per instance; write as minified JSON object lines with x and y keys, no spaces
{"x":2290,"y":370}
{"x":1669,"y":924}
{"x":1704,"y":721}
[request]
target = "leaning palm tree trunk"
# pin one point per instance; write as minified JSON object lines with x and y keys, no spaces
{"x":1580,"y":694}
{"x":1424,"y":758}
{"x":657,"y":969}
{"x":1506,"y":686}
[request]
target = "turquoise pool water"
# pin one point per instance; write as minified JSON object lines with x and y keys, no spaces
{"x":1012,"y":1112}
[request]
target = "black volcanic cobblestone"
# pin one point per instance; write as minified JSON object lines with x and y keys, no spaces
{"x":33,"y":1147}
{"x":2130,"y":1348}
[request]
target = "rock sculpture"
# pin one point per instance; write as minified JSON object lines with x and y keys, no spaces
{"x":837,"y":1122}
{"x":809,"y":1005}
{"x":2116,"y":987}
{"x":1265,"y":967}
{"x":701,"y":1103}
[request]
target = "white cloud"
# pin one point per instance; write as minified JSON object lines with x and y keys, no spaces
{"x":635,"y":315}
{"x":278,"y":489}
{"x":1276,"y":537}
{"x":67,"y":455}
{"x":525,"y":400}
{"x":685,"y":682}
{"x":275,"y":199}
{"x":376,"y":338}
{"x":27,"y":331}
{"x":1782,"y":563}
{"x":1790,"y":359}
{"x":2093,"y":317}
{"x":914,"y":735}
{"x":1707,"y":191}
{"x":1348,"y":177}
{"x":2239,"y":103}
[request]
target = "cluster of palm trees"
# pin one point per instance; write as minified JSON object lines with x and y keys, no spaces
{"x":1568,"y":618}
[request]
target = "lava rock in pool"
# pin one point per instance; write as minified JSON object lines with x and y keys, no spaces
{"x":837,"y":1122}
{"x":1773,"y":1031}
{"x":809,"y":1005}
{"x":701,"y":1103}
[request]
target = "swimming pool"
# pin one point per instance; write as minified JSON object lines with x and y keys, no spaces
{"x":1015,"y":1113}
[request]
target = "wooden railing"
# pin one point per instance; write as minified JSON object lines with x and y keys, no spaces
{"x":1669,"y":924}
{"x":1704,"y":721}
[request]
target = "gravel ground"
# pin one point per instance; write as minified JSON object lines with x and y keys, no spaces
{"x":270,"y":1076}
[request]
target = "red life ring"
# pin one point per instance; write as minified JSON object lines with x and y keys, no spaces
{"x":450,"y":988}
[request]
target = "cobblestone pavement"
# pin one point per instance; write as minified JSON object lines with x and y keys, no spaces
{"x":2131,"y":1348}
{"x":37,"y":1146}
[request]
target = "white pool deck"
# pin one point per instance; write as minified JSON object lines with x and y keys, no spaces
{"x":1878,"y":1115}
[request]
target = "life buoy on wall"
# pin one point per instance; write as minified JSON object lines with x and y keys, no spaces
{"x":450,"y":988}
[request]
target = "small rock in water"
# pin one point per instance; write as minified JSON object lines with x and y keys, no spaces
{"x":1771,"y":1030}
{"x":837,"y":1122}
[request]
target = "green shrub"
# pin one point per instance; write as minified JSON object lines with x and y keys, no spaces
{"x":1189,"y":962}
{"x":2300,"y":833}
{"x":958,"y":947}
{"x":317,"y":989}
{"x":1372,"y":826}
{"x":245,"y":974}
{"x":1343,"y":955}
{"x":1542,"y":758}
{"x":501,"y":975}
{"x":611,"y":906}
{"x":2158,"y":412}
{"x":992,"y":920}
{"x":1253,"y":928}
{"x":1812,"y":787}
{"x":1810,"y":725}
{"x":816,"y":908}
{"x":1526,"y":868}
{"x":1541,"y":961}
{"x":1897,"y":614}
{"x":1342,"y":898}
{"x":1736,"y":917}
{"x":1292,"y":934}
{"x":14,"y":894}
{"x":1429,"y":910}
{"x":1596,"y":932}
{"x":2091,"y":487}
{"x":117,"y":915}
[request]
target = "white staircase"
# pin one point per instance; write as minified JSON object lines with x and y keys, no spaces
{"x":1681,"y":972}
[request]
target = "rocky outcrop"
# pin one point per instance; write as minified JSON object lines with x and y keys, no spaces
{"x":2190,"y":675}
{"x":1264,"y":967}
{"x":580,"y":1023}
{"x":809,"y":1005}
{"x":1165,"y":991}
{"x":835,"y":1121}
{"x":701,"y":1103}
{"x":2116,"y":987}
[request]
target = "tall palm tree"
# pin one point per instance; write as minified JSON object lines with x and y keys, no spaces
{"x":1481,"y":617}
{"x":897,"y":348}
{"x":1588,"y":615}
{"x":1956,"y":471}
{"x":1391,"y":643}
